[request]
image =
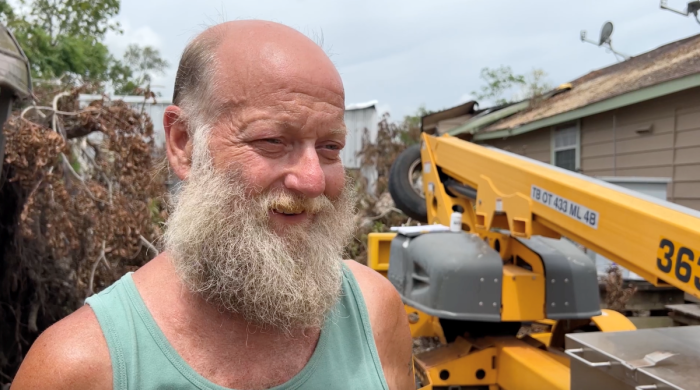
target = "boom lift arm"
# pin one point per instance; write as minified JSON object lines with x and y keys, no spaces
{"x":658,"y":240}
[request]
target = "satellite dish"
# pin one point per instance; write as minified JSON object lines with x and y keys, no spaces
{"x":605,"y":40}
{"x":693,"y":8}
{"x":605,"y":33}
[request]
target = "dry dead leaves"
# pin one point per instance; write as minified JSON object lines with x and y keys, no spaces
{"x":79,"y":196}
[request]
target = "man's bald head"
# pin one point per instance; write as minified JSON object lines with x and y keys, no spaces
{"x":223,"y":64}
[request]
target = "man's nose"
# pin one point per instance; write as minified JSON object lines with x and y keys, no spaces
{"x":306,"y":176}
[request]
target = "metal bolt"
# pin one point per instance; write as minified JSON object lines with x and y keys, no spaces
{"x":405,"y":244}
{"x":495,"y":280}
{"x":481,"y":303}
{"x":553,"y":304}
{"x":566,"y":303}
{"x":413,"y":318}
{"x":479,"y":202}
{"x":566,"y":280}
{"x":552,"y":280}
{"x":482,"y":279}
{"x":534,"y":278}
{"x":495,"y":304}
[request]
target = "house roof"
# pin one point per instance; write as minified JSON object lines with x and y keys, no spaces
{"x":669,"y":62}
{"x":430,"y":121}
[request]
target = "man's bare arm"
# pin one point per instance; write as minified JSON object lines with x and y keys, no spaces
{"x":389,"y":321}
{"x":71,"y":354}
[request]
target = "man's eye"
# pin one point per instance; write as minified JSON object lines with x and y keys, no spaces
{"x":332,"y":147}
{"x":273,"y":141}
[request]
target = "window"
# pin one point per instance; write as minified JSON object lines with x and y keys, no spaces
{"x":565,"y":146}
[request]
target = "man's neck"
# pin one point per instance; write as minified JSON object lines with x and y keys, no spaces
{"x":192,"y":311}
{"x":205,"y":336}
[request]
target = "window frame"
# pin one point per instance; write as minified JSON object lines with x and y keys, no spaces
{"x":577,"y":159}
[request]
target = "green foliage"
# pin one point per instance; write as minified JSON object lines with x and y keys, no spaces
{"x":501,"y":80}
{"x":136,"y":69}
{"x":409,"y":129}
{"x":498,"y":81}
{"x":77,"y":57}
{"x":64,"y":39}
{"x":65,"y":18}
{"x":535,"y":84}
{"x":122,"y":78}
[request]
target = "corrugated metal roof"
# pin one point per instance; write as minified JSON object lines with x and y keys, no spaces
{"x":669,"y":62}
{"x":360,"y":106}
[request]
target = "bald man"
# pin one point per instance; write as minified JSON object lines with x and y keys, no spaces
{"x":251,"y":291}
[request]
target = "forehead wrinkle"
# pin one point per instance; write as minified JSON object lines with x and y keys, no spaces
{"x":298,"y":85}
{"x":293,"y":112}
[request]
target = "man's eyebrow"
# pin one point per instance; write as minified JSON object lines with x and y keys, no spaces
{"x":339,"y":130}
{"x":246,"y":128}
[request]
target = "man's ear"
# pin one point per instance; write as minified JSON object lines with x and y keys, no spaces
{"x":177,"y":142}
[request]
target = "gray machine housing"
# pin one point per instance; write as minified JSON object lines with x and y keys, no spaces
{"x":456,"y":275}
{"x":571,"y":288}
{"x":435,"y":272}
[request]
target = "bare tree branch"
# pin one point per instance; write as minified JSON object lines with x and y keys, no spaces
{"x":100,"y":258}
{"x":148,"y":244}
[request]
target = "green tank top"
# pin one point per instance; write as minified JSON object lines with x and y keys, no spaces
{"x":142,"y":358}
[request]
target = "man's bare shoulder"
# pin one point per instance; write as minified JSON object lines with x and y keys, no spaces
{"x":389,"y":322}
{"x":378,"y":292}
{"x":383,"y":302}
{"x":71,"y":354}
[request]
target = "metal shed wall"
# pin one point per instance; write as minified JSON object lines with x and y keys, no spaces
{"x":356,"y":121}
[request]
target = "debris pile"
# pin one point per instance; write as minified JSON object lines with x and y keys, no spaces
{"x":376,"y":209}
{"x":80,"y":205}
{"x":616,"y":294}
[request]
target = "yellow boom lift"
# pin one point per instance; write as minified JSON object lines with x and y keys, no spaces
{"x":511,"y":258}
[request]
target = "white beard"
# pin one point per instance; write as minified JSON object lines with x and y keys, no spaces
{"x":221,"y":244}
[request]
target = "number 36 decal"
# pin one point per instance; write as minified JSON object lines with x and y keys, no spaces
{"x":678,"y":260}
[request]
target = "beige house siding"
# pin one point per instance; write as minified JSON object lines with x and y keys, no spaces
{"x":533,"y":144}
{"x":657,"y":138}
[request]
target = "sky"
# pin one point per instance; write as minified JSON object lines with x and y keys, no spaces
{"x":407,"y":54}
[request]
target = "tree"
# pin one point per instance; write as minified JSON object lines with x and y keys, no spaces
{"x":409,"y":132}
{"x":502,"y":80}
{"x":63,"y":39}
{"x":498,"y":81}
{"x":535,"y":84}
{"x":137,"y":69}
